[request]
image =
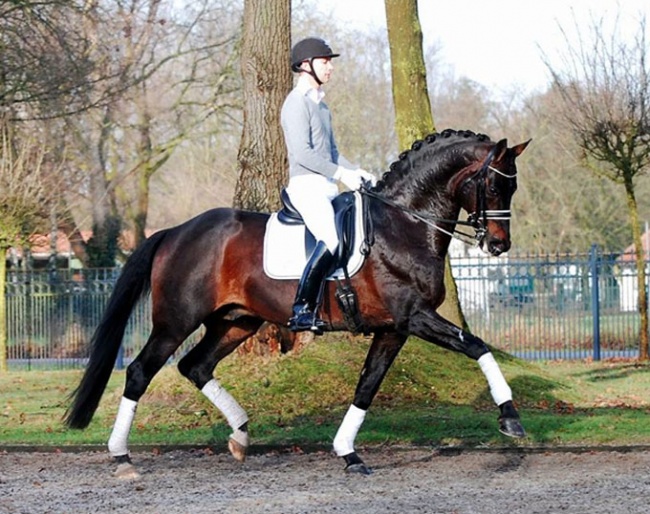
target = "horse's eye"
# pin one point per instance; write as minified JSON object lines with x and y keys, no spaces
{"x":493,"y":190}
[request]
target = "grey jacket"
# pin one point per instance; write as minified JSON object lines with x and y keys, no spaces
{"x":308,"y":134}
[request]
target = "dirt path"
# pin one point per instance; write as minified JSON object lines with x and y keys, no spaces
{"x":404,"y":481}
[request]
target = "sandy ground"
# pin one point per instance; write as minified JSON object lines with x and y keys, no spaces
{"x":404,"y":481}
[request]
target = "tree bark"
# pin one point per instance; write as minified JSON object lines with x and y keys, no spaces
{"x":262,"y":159}
{"x":640,"y":266}
{"x":413,"y":117}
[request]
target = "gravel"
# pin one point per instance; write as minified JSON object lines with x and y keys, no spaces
{"x":404,"y":480}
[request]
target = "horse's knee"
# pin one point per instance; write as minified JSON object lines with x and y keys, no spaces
{"x":472,"y":346}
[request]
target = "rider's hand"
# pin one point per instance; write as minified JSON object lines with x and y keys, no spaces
{"x":354,"y":178}
{"x":366,"y":175}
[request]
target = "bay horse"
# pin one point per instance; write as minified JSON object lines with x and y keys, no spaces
{"x":208,"y":271}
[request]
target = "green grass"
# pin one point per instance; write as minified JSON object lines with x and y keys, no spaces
{"x":430,"y":397}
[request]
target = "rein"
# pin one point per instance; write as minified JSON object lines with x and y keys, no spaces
{"x":476,"y":220}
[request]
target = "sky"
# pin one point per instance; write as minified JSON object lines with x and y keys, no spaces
{"x":498,"y":43}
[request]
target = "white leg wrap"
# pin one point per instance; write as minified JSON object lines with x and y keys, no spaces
{"x":228,"y":406}
{"x":117,"y":443}
{"x":499,"y":388}
{"x":347,"y":432}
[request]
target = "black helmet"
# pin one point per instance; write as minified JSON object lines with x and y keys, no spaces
{"x":308,"y":49}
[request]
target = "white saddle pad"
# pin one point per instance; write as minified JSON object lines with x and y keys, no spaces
{"x":284,"y":248}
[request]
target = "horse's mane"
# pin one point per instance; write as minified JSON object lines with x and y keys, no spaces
{"x":423,"y":149}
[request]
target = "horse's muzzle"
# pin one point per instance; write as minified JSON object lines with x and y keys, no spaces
{"x":496,"y":246}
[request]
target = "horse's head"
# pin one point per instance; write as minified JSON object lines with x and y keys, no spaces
{"x":487,"y":192}
{"x":452,"y":170}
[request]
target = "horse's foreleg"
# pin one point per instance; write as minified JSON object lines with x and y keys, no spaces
{"x":436,"y":329}
{"x":385,"y":347}
{"x":198,"y":366}
{"x":509,"y":423}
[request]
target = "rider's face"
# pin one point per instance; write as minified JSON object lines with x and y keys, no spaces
{"x":322,"y":68}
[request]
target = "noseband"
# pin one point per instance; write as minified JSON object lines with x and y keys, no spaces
{"x":477,"y":220}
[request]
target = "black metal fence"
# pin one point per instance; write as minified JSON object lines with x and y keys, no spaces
{"x":51,"y":316}
{"x":552,"y":306}
{"x":533,"y":306}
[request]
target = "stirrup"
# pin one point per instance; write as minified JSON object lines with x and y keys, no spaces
{"x":306,"y":320}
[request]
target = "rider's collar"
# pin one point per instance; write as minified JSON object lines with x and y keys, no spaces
{"x":305,"y":87}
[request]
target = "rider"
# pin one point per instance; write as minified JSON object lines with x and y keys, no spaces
{"x":315,"y":166}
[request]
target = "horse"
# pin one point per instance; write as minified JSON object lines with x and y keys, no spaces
{"x":209,"y":271}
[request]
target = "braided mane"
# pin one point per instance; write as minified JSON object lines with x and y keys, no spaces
{"x":422,"y":150}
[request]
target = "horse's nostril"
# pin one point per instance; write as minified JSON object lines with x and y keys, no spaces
{"x":498,"y":246}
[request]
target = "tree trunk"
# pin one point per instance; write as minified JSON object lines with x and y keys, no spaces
{"x":102,"y":247}
{"x":413,"y":117}
{"x":262,"y":158}
{"x":640,"y":266}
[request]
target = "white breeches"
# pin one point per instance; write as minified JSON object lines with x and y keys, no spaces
{"x":312,"y":195}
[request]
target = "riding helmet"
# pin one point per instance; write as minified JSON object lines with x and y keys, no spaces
{"x":308,"y":49}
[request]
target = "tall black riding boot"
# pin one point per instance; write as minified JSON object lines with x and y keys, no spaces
{"x":305,"y":304}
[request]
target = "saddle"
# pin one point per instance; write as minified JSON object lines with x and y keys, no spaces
{"x":344,"y":218}
{"x":288,"y":244}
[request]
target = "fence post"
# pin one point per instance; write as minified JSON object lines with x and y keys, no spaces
{"x":119,"y":362}
{"x":595,"y":298}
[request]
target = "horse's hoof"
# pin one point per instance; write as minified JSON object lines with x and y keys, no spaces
{"x":511,"y":427}
{"x":237,"y":450}
{"x":354,"y":464}
{"x":362,"y":469}
{"x":126,"y":471}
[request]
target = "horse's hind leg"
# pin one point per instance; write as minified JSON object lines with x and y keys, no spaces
{"x":219,"y":341}
{"x":385,"y":347}
{"x":160,"y":346}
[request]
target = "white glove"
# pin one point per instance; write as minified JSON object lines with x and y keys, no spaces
{"x":366,"y":175}
{"x":354,"y":178}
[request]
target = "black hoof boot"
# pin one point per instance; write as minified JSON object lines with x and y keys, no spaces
{"x":509,"y":423}
{"x":354,"y":464}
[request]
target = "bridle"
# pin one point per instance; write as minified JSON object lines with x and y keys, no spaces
{"x":477,"y":220}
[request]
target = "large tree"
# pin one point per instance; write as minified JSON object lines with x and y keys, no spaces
{"x":604,"y":86}
{"x":267,"y":80}
{"x":122,"y":84}
{"x":413,"y":116}
{"x":262,"y":157}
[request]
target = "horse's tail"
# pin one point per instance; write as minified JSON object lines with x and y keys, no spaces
{"x":134,"y":283}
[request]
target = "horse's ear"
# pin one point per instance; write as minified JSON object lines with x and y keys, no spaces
{"x":518,"y":149}
{"x":500,"y":149}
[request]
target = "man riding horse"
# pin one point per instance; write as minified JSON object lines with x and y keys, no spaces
{"x":315,"y":167}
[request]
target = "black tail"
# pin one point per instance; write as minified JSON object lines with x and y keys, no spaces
{"x":133,"y":284}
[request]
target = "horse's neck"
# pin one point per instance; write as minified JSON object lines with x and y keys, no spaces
{"x":420,"y":221}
